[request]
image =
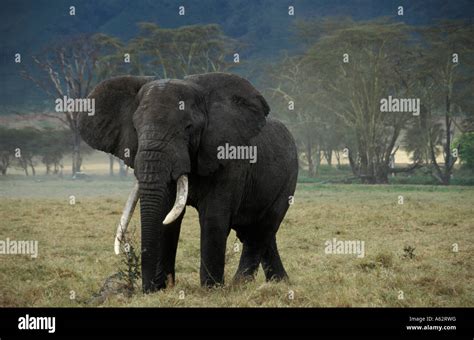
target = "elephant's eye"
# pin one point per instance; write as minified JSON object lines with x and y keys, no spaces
{"x":239,"y":100}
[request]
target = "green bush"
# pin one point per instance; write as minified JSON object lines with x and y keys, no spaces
{"x":466,"y":149}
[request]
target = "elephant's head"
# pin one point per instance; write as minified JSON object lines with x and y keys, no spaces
{"x":166,"y":129}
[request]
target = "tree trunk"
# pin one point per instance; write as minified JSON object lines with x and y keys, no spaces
{"x":355,"y":167}
{"x":328,"y":156}
{"x":318,"y":160}
{"x":122,"y":168}
{"x":382,"y":170}
{"x":4,"y":164}
{"x":338,"y":158}
{"x":309,"y":158}
{"x":33,"y":171}
{"x":76,"y":154}
{"x":25,"y":166}
{"x":111,"y":165}
{"x":447,"y":147}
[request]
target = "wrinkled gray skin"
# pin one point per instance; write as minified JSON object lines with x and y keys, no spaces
{"x":142,"y":114}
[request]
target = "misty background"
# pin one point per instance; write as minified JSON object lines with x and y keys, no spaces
{"x":296,"y":61}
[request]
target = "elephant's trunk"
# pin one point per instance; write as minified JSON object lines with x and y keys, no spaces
{"x":153,"y":169}
{"x":153,"y":208}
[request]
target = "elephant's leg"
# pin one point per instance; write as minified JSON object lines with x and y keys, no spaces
{"x":214,"y":232}
{"x":249,"y":262}
{"x":271,"y":262}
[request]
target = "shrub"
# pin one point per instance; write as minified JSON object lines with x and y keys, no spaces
{"x":465,"y":145}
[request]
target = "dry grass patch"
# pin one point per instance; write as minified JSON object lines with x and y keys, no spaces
{"x":76,"y":250}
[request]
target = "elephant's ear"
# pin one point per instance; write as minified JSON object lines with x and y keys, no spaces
{"x":110,"y":128}
{"x":235,"y":111}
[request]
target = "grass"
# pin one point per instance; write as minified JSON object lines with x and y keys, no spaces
{"x":408,"y":248}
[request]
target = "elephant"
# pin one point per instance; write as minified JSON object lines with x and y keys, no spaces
{"x":169,"y":131}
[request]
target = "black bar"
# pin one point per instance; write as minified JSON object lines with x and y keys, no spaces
{"x":137,"y":323}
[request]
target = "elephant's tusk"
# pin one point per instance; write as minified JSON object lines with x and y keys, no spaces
{"x":126,"y":216}
{"x":180,"y":202}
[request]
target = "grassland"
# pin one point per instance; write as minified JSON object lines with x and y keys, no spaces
{"x":76,"y":247}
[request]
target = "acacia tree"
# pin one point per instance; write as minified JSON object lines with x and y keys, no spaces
{"x":359,"y":64}
{"x":296,"y":91}
{"x":53,"y":145}
{"x":66,"y":68}
{"x":445,"y":86}
{"x":27,"y":146}
{"x":175,"y":53}
{"x":7,"y":146}
{"x":23,"y":147}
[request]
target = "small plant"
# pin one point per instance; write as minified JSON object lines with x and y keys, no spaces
{"x":126,"y":280}
{"x":384,"y":259}
{"x":408,"y":252}
{"x":129,"y":269}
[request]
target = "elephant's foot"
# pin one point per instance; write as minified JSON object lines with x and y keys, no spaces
{"x":212,"y":270}
{"x":159,"y":283}
{"x":240,"y":278}
{"x":211,"y":282}
{"x":278,"y":278}
{"x":153,"y":287}
{"x":272,"y":265}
